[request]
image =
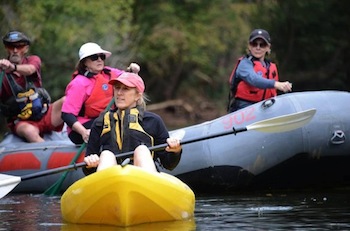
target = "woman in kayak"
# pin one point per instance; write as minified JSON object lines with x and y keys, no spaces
{"x":130,"y":128}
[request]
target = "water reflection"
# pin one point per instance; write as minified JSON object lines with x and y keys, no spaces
{"x":169,"y":226}
{"x":29,"y":212}
{"x":328,"y":210}
{"x":291,"y":211}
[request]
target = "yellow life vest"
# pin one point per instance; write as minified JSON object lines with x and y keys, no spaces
{"x":127,"y":132}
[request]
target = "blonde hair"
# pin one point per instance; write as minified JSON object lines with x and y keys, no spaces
{"x":142,"y":101}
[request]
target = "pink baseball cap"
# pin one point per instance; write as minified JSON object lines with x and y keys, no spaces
{"x":130,"y":80}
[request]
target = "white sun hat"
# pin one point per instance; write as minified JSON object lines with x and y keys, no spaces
{"x":88,"y":49}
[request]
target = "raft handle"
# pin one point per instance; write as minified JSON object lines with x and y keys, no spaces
{"x":338,"y":137}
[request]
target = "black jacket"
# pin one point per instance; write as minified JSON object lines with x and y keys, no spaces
{"x":152,"y":124}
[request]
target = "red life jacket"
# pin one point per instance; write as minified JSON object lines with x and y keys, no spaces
{"x":101,"y":95}
{"x":245,"y":91}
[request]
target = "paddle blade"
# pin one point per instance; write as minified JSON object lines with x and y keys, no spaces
{"x":178,"y":134}
{"x":8,"y":183}
{"x":284,"y":123}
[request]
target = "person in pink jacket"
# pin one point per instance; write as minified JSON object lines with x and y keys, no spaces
{"x":88,"y":93}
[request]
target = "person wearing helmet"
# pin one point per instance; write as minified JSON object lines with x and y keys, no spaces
{"x":255,"y":78}
{"x":23,"y":101}
{"x":88,"y":93}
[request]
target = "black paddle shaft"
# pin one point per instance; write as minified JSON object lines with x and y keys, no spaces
{"x":159,"y":147}
{"x":163,"y":146}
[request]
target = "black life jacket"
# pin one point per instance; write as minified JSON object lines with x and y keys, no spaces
{"x":123,"y":131}
{"x":30,"y":103}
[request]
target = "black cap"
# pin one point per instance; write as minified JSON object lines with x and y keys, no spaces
{"x":15,"y":37}
{"x":260,"y":33}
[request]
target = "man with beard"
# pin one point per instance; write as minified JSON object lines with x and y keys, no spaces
{"x":23,"y":101}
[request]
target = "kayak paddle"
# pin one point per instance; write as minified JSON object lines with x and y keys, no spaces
{"x":56,"y":187}
{"x":277,"y":124}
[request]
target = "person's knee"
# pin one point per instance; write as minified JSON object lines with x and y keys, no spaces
{"x":61,"y":101}
{"x":26,"y":128}
{"x":107,"y":159}
{"x":57,"y":105}
{"x":56,"y":114}
{"x":141,"y":154}
{"x":29,"y":132}
{"x":143,"y":158}
{"x":141,"y":150}
{"x":107,"y":154}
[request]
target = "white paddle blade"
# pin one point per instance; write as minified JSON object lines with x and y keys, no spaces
{"x":8,"y":183}
{"x":178,"y":134}
{"x":284,"y":123}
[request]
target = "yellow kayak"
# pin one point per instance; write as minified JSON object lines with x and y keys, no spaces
{"x":125,"y":196}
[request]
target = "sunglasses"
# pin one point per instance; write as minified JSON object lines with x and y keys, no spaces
{"x":261,"y":45}
{"x":17,"y":46}
{"x":96,"y":56}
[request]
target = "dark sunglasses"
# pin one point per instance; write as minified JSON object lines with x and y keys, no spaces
{"x":255,"y":44}
{"x":96,"y":56}
{"x":13,"y":46}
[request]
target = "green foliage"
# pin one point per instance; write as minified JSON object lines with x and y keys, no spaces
{"x":59,"y":28}
{"x":310,"y":41}
{"x":187,"y":48}
{"x":189,"y":44}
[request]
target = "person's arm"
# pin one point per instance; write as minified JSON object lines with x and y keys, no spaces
{"x":133,"y":67}
{"x":7,"y":66}
{"x":76,"y":94}
{"x":115,"y":71}
{"x":245,"y":71}
{"x":94,"y":144}
{"x":25,"y":69}
{"x":93,"y":148}
{"x":31,"y":66}
{"x":168,"y":160}
{"x":84,"y":132}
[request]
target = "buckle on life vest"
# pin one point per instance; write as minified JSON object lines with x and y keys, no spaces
{"x":24,"y":96}
{"x":26,"y":112}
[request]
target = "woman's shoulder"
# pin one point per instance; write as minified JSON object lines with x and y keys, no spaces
{"x":153,"y":118}
{"x":116,"y":71}
{"x":80,"y":80}
{"x":245,"y":63}
{"x":248,"y":58}
{"x":154,"y":122}
{"x":149,"y":114}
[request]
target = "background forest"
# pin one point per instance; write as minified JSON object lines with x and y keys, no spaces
{"x":187,"y":48}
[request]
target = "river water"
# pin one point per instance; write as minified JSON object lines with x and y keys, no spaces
{"x":298,"y":210}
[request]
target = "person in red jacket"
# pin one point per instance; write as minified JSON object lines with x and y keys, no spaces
{"x":88,"y":93}
{"x":23,"y":101}
{"x":255,"y":78}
